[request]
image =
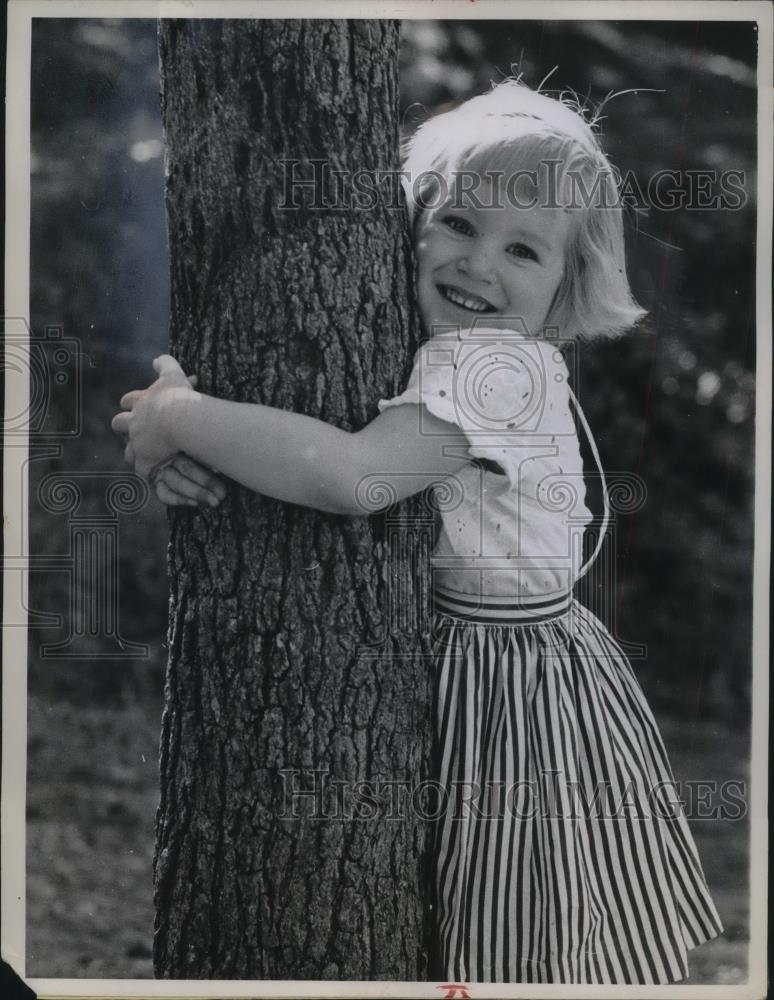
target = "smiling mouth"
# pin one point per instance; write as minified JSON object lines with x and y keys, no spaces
{"x":464,"y":300}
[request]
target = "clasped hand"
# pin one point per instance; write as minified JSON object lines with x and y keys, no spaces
{"x":177,"y":478}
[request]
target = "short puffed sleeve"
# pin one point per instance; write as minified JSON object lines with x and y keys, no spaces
{"x":497,"y":387}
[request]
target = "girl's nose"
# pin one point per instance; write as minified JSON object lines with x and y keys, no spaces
{"x":477,"y":263}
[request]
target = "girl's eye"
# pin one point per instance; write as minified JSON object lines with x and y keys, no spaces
{"x":458,"y":225}
{"x":523,"y":251}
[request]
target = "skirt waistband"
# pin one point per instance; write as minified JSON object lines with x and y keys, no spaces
{"x":489,"y":610}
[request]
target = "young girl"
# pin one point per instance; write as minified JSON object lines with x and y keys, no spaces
{"x":563,"y":854}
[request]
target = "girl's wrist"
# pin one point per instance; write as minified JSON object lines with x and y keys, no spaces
{"x":175,"y":413}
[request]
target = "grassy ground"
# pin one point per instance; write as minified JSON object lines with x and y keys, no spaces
{"x":720,"y":755}
{"x":92,"y":795}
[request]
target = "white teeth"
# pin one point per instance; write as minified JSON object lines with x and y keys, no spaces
{"x":475,"y":305}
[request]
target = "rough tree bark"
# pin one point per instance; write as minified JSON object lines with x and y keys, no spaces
{"x":282,"y":654}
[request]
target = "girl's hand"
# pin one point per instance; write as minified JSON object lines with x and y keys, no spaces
{"x":185,"y":482}
{"x":150,"y":447}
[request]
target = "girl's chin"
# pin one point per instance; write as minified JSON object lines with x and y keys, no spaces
{"x":451,"y":313}
{"x":447,"y":323}
{"x":465,"y":319}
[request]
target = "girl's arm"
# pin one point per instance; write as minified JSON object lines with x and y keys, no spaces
{"x":286,"y":455}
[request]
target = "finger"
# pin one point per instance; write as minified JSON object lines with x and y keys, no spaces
{"x":130,"y":398}
{"x":193,"y":381}
{"x":120,"y":423}
{"x":199,"y":474}
{"x":129,"y":455}
{"x":165,"y":364}
{"x":169,"y":497}
{"x":186,"y":487}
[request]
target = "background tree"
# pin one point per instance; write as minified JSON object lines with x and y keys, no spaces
{"x":274,"y":606}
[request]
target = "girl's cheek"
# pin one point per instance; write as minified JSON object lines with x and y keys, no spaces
{"x":423,"y":248}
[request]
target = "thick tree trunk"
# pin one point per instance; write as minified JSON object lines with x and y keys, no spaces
{"x":284,"y":659}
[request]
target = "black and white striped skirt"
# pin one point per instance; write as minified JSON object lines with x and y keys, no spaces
{"x":562,"y":852}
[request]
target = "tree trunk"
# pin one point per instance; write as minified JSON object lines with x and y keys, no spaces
{"x":287,"y":672}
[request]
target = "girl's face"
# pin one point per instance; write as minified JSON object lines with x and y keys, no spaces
{"x":496,"y":266}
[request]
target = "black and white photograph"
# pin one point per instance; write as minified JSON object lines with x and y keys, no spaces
{"x":387,"y":449}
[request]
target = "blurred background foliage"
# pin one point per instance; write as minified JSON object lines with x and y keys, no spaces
{"x":673,"y":402}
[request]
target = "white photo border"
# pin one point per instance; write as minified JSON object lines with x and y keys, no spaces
{"x":17,"y":286}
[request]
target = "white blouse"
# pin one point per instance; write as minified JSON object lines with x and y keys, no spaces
{"x":518,"y":532}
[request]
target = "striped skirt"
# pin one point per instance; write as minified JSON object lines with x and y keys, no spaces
{"x":562,"y":854}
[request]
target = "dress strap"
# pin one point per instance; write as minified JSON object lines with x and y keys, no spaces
{"x":605,"y":499}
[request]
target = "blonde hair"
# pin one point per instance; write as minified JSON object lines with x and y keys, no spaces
{"x":511,"y":131}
